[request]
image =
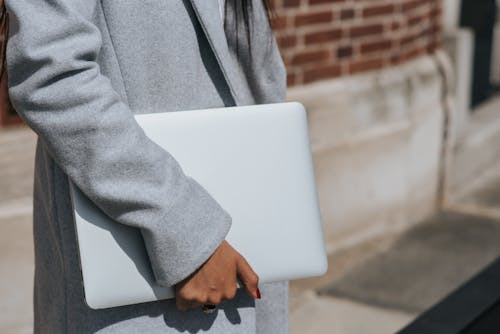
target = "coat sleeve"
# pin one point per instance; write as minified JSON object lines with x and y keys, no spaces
{"x":56,"y":86}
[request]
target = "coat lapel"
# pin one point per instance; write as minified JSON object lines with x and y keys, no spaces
{"x":207,"y":12}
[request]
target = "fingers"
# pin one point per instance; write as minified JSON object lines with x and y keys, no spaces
{"x":248,"y":277}
{"x":215,"y":280}
{"x":186,"y":301}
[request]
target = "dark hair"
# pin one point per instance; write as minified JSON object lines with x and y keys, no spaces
{"x":267,"y":5}
{"x":244,"y":8}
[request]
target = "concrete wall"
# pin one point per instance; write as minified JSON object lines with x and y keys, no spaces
{"x":376,"y":142}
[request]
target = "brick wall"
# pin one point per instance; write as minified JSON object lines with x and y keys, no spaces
{"x":322,"y":39}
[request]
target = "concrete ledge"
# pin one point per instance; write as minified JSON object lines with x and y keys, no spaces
{"x":376,"y":141}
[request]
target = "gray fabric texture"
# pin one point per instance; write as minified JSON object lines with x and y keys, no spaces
{"x":78,"y":70}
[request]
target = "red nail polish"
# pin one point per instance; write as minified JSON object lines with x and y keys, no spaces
{"x":258,"y":293}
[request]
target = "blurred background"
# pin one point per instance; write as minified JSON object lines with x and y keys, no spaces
{"x":403,"y":104}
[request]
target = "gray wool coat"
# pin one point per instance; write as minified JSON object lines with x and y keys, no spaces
{"x":78,"y":70}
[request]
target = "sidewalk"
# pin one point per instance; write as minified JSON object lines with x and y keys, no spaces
{"x":312,"y":312}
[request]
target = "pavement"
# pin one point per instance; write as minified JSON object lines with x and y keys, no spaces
{"x":424,"y":264}
{"x":377,"y":286}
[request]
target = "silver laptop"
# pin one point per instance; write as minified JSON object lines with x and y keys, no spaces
{"x":253,"y":154}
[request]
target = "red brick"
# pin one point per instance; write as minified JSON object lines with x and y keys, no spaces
{"x":417,"y":19}
{"x":366,"y":65}
{"x":313,"y":18}
{"x":279,"y":22}
{"x":323,"y":36}
{"x":395,"y":26}
{"x":344,"y":51}
{"x":291,"y":3}
{"x":315,"y":2}
{"x":436,"y":12}
{"x":380,"y":45}
{"x":305,"y":57}
{"x":322,"y":72}
{"x":379,"y":10}
{"x":286,"y":41}
{"x":366,"y":30}
{"x":408,"y":39}
{"x":395,"y":59}
{"x":347,"y":14}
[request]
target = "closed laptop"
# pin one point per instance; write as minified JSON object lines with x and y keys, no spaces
{"x":256,"y":162}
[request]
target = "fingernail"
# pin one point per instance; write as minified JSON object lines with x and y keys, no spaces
{"x":258,"y":293}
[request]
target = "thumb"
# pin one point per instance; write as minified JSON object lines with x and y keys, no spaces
{"x":248,"y":277}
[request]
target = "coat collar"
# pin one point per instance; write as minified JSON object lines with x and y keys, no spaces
{"x":207,"y":11}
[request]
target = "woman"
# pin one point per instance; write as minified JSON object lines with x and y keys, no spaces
{"x":78,"y":71}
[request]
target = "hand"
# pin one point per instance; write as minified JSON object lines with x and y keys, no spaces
{"x":216,"y":279}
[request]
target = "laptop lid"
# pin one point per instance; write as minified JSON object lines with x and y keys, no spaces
{"x":256,"y":162}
